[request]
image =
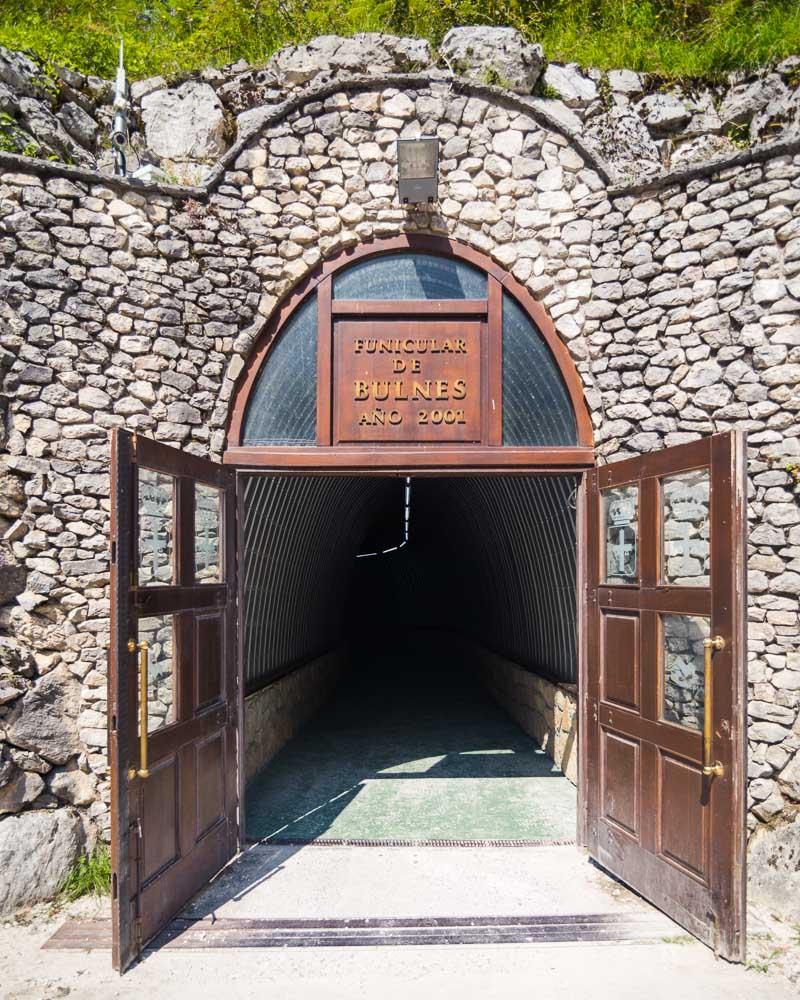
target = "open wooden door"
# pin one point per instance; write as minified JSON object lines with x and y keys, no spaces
{"x":664,"y":703}
{"x":172,"y":683}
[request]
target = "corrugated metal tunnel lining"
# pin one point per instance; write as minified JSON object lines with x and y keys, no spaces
{"x":491,"y":557}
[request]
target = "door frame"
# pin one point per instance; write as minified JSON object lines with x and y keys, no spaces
{"x":439,"y":472}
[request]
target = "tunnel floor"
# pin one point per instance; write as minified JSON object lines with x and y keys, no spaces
{"x":431,"y":758}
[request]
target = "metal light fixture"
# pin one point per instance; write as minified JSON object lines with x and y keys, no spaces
{"x":417,"y":170}
{"x":119,"y":125}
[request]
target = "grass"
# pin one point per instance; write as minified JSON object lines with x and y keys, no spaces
{"x":672,"y":38}
{"x":91,"y":873}
{"x":764,"y":963}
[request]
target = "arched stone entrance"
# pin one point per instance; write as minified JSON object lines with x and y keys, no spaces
{"x":418,"y":357}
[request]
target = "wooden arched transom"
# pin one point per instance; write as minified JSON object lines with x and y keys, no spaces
{"x":358,"y":370}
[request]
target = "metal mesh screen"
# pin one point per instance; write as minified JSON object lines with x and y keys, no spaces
{"x":283,"y":405}
{"x":491,"y":557}
{"x":537,"y":409}
{"x":410,"y":276}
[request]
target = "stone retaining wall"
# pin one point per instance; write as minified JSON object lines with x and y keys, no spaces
{"x":545,"y":710}
{"x":274,"y":714}
{"x":136,"y":307}
{"x":638,"y":122}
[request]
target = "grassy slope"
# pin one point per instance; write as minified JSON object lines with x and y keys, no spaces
{"x":673,"y":38}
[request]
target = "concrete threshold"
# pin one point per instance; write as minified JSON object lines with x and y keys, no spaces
{"x":303,"y":896}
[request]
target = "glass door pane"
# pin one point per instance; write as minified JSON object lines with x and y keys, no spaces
{"x":686,"y":537}
{"x":620,"y":533}
{"x":156,"y":541}
{"x":682,"y":659}
{"x":207,"y":532}
{"x":159,"y":633}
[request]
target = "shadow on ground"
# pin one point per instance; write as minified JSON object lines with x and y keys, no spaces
{"x":411,"y":749}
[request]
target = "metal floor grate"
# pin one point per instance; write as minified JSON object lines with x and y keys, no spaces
{"x":402,"y":842}
{"x":209,"y":932}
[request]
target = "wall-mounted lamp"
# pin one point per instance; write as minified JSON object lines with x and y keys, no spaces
{"x":120,"y":126}
{"x":417,"y":170}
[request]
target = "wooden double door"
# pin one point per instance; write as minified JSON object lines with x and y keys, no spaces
{"x":662,"y":688}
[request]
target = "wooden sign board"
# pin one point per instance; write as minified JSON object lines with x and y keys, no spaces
{"x":407,"y":381}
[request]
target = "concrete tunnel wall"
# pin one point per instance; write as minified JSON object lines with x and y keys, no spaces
{"x":491,"y":559}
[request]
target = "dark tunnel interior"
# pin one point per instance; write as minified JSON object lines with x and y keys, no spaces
{"x":328,"y":560}
{"x":417,"y":588}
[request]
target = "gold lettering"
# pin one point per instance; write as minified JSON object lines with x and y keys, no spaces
{"x":461,"y":345}
{"x":441,"y":389}
{"x":398,"y":366}
{"x":416,"y":367}
{"x":400,"y":393}
{"x":379,"y":418}
{"x":361,"y":390}
{"x":358,"y":346}
{"x":421,"y":390}
{"x":380,"y":390}
{"x":459,"y":389}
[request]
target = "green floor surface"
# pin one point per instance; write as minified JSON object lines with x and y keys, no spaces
{"x":433,"y":759}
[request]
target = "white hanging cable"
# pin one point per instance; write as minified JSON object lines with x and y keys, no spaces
{"x":406,"y":526}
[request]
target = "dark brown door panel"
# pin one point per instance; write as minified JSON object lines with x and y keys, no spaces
{"x":160,"y":816}
{"x":683,"y":838}
{"x":620,"y":659}
{"x":174,"y":815}
{"x":620,"y":769}
{"x":210,"y":779}
{"x":664,"y":700}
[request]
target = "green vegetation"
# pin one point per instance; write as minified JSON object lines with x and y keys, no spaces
{"x":674,"y":38}
{"x":91,"y":873}
{"x":764,"y":963}
{"x":13,"y":139}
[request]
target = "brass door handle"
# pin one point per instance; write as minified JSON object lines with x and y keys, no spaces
{"x":711,"y":768}
{"x":143,"y":647}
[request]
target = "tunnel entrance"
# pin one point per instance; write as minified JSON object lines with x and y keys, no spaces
{"x":409,"y":526}
{"x":410,"y":657}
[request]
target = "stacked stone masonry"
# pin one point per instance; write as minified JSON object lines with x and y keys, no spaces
{"x":274,"y":714}
{"x":137,"y":307}
{"x":547,"y":711}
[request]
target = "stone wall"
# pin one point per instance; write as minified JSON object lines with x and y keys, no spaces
{"x":697,"y":318}
{"x":275,"y":713}
{"x":545,"y":710}
{"x":137,"y":306}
